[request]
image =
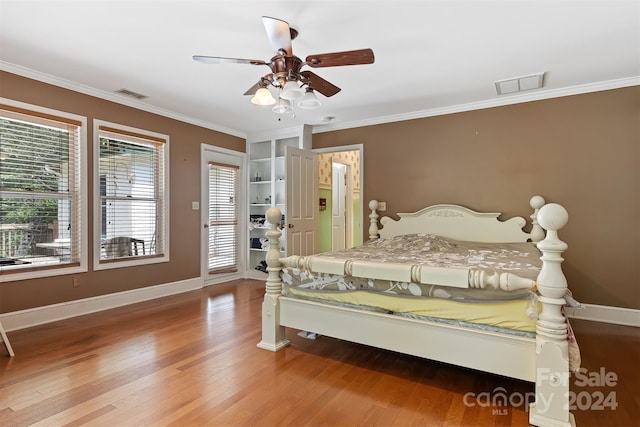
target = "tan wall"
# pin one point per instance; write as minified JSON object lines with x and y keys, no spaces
{"x":185,"y":140}
{"x":581,"y":151}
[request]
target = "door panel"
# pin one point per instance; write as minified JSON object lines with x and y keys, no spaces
{"x":302,"y":193}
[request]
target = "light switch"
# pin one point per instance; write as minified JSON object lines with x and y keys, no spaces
{"x":195,"y":206}
{"x":382,"y":206}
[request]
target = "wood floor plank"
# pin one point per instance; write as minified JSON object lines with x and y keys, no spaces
{"x":191,"y":360}
{"x":89,"y":418}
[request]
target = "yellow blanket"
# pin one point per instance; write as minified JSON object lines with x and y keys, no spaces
{"x":503,"y":314}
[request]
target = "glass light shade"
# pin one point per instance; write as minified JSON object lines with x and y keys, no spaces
{"x":309,"y":100}
{"x":263,"y":97}
{"x":291,"y":91}
{"x":283,"y":106}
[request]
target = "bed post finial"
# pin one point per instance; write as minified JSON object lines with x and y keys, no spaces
{"x":537,"y":233}
{"x":552,"y":352}
{"x":373,"y":218}
{"x":273,"y":334}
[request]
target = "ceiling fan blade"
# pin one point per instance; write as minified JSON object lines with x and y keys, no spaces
{"x":253,"y":89}
{"x":220,"y":60}
{"x":319,"y":84}
{"x":279,"y":34}
{"x":350,"y":57}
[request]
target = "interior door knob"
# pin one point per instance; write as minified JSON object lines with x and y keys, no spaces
{"x":289,"y":225}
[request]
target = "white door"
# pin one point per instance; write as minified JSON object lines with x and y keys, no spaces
{"x":338,"y":213}
{"x":222,"y":209}
{"x":302,"y":211}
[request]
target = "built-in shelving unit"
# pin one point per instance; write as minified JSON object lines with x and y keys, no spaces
{"x":267,"y":186}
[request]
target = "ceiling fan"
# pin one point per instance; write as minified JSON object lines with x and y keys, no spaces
{"x":286,"y":74}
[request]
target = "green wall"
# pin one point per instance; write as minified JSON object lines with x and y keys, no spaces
{"x":324,"y":222}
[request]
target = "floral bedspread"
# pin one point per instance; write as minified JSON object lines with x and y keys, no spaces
{"x":522,"y":259}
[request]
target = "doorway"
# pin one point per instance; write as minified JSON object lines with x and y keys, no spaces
{"x":339,"y":190}
{"x":341,"y":236}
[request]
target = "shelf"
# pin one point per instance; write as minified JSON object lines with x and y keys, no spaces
{"x":267,"y":161}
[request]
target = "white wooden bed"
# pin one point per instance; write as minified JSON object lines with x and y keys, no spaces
{"x":543,"y":360}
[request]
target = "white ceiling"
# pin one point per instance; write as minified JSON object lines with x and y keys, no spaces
{"x":431,"y":57}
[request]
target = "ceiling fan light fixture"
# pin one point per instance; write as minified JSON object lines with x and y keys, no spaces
{"x":263,"y":97}
{"x":283,"y":106}
{"x":291,"y":91}
{"x":309,"y":100}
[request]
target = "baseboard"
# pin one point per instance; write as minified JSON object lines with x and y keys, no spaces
{"x":217,"y":279}
{"x":40,"y":315}
{"x":606,"y":314}
{"x":257,"y":275}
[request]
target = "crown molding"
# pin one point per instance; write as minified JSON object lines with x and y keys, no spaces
{"x":498,"y":102}
{"x":108,"y":96}
{"x":537,"y":95}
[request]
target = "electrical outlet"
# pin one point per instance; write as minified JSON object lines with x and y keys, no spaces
{"x":382,"y":206}
{"x":195,"y":206}
{"x":75,"y":281}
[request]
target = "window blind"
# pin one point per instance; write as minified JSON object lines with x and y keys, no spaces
{"x":40,"y":201}
{"x":132,"y":194}
{"x":223,"y":218}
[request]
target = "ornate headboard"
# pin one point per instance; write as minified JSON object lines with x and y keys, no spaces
{"x":458,"y":222}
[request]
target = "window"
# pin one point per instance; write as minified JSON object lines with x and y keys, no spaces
{"x":132,"y":202}
{"x":223,"y":218}
{"x":41,"y":191}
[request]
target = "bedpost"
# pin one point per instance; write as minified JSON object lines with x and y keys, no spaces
{"x":537,"y":233}
{"x":551,"y":407}
{"x":273,"y":334}
{"x":373,"y":218}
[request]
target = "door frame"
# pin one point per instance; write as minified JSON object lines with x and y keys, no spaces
{"x":360,"y":149}
{"x":211,"y":153}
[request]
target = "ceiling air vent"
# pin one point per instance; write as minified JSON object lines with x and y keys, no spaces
{"x":131,"y":94}
{"x":519,"y":84}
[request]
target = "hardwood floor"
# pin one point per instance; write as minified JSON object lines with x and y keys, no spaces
{"x":192,"y":360}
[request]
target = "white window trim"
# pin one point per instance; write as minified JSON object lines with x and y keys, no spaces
{"x":97,"y":265}
{"x":84,"y":202}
